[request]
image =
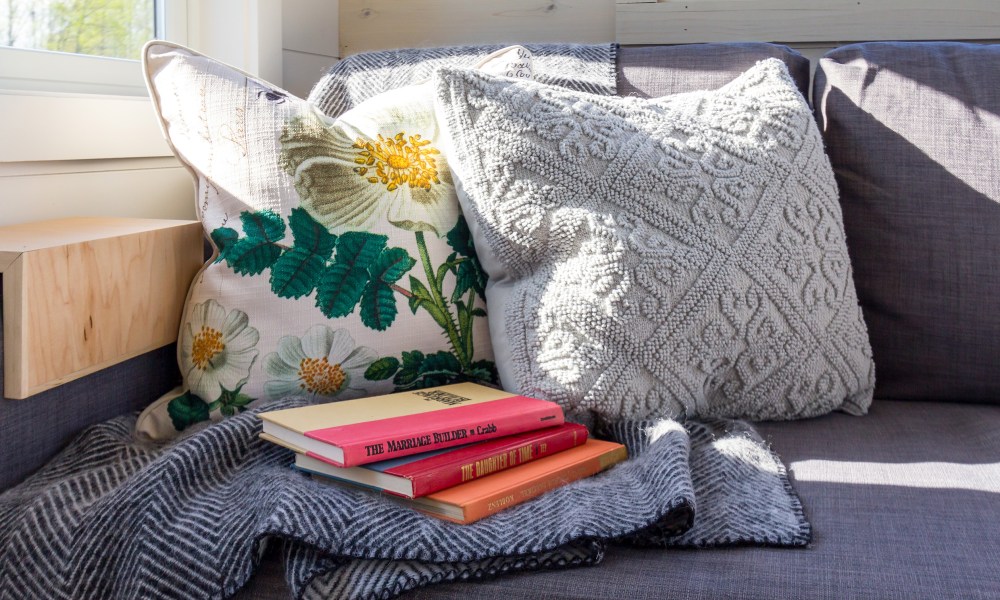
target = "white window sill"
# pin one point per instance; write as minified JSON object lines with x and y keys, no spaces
{"x":50,"y":126}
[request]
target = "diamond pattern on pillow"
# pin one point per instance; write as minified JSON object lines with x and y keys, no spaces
{"x":682,"y":256}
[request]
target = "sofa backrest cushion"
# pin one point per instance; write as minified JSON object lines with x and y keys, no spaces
{"x":653,"y":71}
{"x":913,"y":133}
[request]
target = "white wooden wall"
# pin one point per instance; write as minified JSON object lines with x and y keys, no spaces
{"x":310,"y":40}
{"x":317,"y":32}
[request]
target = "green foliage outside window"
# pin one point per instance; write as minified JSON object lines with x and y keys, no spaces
{"x":115,"y":28}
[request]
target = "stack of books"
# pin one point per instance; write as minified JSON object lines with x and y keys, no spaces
{"x":459,"y":452}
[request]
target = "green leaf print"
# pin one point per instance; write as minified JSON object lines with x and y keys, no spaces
{"x":469,"y":274}
{"x":484,"y":371}
{"x":378,"y":306}
{"x":224,"y":238}
{"x":421,"y":295}
{"x":250,"y":256}
{"x":460,"y":238}
{"x":440,"y":368}
{"x":263,"y":225}
{"x":259,"y":250}
{"x":310,"y":234}
{"x":296,"y":273}
{"x":231,"y":402}
{"x":391,"y":265}
{"x":410,"y":370}
{"x":186,"y":410}
{"x":378,"y":302}
{"x":341,"y":286}
{"x":383,"y":368}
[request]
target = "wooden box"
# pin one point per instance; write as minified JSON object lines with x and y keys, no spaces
{"x":82,"y":294}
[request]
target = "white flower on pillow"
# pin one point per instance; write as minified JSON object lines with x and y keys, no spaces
{"x":323,"y":363}
{"x":365,"y":168}
{"x":217,"y":350}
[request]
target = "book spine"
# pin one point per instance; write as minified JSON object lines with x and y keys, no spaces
{"x":411,"y":434}
{"x":494,"y":503}
{"x":472,"y":467}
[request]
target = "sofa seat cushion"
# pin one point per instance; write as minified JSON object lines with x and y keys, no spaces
{"x":903,"y":504}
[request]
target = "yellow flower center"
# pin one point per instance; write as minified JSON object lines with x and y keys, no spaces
{"x":206,"y":346}
{"x":396,"y":161}
{"x":318,"y":376}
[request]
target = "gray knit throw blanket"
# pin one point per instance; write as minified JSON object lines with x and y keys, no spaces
{"x":116,"y":517}
{"x":585,"y":68}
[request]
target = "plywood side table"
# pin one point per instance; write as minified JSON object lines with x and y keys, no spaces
{"x":81,"y":294}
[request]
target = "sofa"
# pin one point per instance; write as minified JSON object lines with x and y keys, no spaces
{"x":903,"y":501}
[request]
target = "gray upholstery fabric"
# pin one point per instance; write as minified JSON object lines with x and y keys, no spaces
{"x":913,"y":133}
{"x":33,"y":430}
{"x":651,"y":71}
{"x":885,"y":536}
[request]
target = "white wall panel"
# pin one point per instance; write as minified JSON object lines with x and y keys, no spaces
{"x":378,"y":24}
{"x":302,"y":70}
{"x":311,"y":42}
{"x":311,"y":26}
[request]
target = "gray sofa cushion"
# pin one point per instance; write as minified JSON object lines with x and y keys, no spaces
{"x":903,"y":504}
{"x":33,"y":430}
{"x":652,"y":71}
{"x":913,"y":132}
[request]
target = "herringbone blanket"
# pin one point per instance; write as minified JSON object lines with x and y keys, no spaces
{"x":585,"y":68}
{"x":117,"y":517}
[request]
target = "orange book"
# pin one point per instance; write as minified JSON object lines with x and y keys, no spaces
{"x":480,"y":498}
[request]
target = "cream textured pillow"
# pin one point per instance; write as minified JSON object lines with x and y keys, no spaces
{"x":343,"y":266}
{"x":681,"y":256}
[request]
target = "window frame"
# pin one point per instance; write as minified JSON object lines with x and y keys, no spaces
{"x":114,"y":119}
{"x":29,"y":70}
{"x":58,"y":106}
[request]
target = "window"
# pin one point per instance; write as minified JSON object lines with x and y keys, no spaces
{"x":113,"y":28}
{"x":82,"y":46}
{"x":61,"y":106}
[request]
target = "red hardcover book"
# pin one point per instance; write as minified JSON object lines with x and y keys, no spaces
{"x":421,"y":474}
{"x":356,"y":432}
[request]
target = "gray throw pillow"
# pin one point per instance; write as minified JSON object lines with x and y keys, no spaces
{"x":682,"y":256}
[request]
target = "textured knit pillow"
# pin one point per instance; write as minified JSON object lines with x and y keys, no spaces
{"x":343,"y":266}
{"x":682,"y":256}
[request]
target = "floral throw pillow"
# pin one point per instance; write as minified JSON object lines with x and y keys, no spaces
{"x":342,"y":266}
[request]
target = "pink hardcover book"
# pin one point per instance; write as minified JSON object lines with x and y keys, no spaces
{"x":357,"y":432}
